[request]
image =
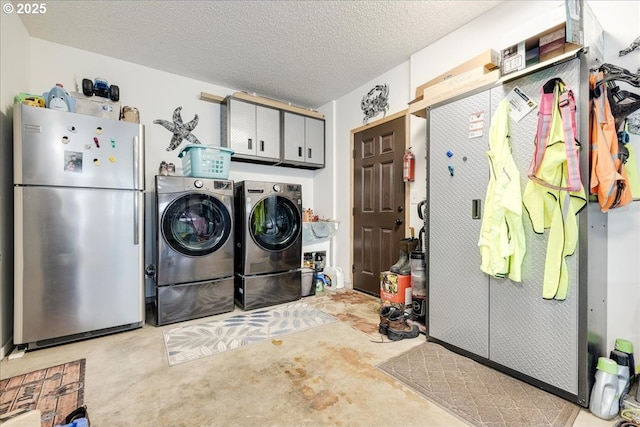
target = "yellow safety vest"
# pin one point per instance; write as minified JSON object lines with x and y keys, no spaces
{"x":632,"y":173}
{"x":551,"y":201}
{"x":631,"y":166}
{"x":502,"y":239}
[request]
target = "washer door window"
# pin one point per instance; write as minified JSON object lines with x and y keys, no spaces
{"x":274,"y":223}
{"x":196,"y":224}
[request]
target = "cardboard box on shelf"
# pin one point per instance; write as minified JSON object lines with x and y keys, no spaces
{"x":552,"y":49}
{"x":457,"y":86}
{"x":96,"y":106}
{"x":547,"y":44}
{"x":450,"y":88}
{"x":393,"y":287}
{"x":553,"y":36}
{"x":483,"y":63}
{"x":532,"y":56}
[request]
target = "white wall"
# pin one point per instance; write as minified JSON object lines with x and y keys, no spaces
{"x":508,"y":23}
{"x":156,"y":94}
{"x":14,"y":77}
{"x":348,"y":115}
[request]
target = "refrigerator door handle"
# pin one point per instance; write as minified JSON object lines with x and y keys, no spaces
{"x":136,"y":221}
{"x":136,"y":162}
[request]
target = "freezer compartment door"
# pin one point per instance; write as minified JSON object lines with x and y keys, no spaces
{"x":78,"y":261}
{"x":57,"y":148}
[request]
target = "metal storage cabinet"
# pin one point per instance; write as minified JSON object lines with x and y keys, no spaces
{"x":303,"y":141}
{"x":551,"y":344}
{"x":454,"y":273}
{"x":252,"y":131}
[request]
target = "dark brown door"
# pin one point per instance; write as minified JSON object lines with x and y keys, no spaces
{"x":378,"y":205}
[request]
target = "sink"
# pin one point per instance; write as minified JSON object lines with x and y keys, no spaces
{"x":318,"y":230}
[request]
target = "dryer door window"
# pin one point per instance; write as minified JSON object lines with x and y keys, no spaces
{"x":275,"y":223}
{"x":196,"y":224}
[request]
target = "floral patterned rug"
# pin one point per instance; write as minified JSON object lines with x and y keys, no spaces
{"x":193,"y":342}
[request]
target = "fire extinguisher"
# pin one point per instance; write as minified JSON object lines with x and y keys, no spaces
{"x":408,"y":166}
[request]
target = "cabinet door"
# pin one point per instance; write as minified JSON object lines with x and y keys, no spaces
{"x":242,"y":127}
{"x":458,"y":175}
{"x":267,"y":132}
{"x":529,"y":334}
{"x":314,"y":140}
{"x":294,"y":135}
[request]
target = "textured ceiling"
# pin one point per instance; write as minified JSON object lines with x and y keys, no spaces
{"x":303,"y":52}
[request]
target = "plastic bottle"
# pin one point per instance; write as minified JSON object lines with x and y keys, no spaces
{"x":627,"y":347}
{"x":319,"y":282}
{"x":605,"y":400}
{"x":337,"y":278}
{"x":622,"y":354}
{"x":638,"y":388}
{"x":622,"y":360}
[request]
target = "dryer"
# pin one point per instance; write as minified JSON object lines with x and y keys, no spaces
{"x":194,"y":257}
{"x":268,"y":243}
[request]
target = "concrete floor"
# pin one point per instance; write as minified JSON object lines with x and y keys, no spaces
{"x":325,"y":376}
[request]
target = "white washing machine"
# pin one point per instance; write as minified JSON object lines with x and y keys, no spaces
{"x":268,"y":243}
{"x":195,"y":248}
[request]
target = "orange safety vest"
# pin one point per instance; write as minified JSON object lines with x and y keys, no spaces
{"x":608,"y":174}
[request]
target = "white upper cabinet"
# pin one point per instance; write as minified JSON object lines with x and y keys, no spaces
{"x":303,"y":140}
{"x":260,"y":130}
{"x":251,"y":131}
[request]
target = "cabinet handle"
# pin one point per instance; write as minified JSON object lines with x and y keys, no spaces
{"x":261,"y":145}
{"x":309,"y":155}
{"x":476,"y":208}
{"x":250,"y":143}
{"x":299,"y":151}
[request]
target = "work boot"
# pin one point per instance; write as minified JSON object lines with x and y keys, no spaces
{"x":399,"y":329}
{"x":404,"y":258}
{"x":384,"y":318}
{"x":405,"y":269}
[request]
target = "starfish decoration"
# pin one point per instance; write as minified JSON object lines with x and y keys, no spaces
{"x":179,"y":129}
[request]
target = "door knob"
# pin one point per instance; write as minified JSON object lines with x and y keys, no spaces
{"x":399,"y":221}
{"x":421,"y":209}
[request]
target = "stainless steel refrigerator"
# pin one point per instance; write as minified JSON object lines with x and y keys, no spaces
{"x":78,"y":194}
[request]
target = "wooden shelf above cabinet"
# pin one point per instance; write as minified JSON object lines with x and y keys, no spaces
{"x":419,"y":107}
{"x":211,"y":98}
{"x":277,"y":104}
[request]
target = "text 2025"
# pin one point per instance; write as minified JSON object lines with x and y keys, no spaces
{"x":31,"y":8}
